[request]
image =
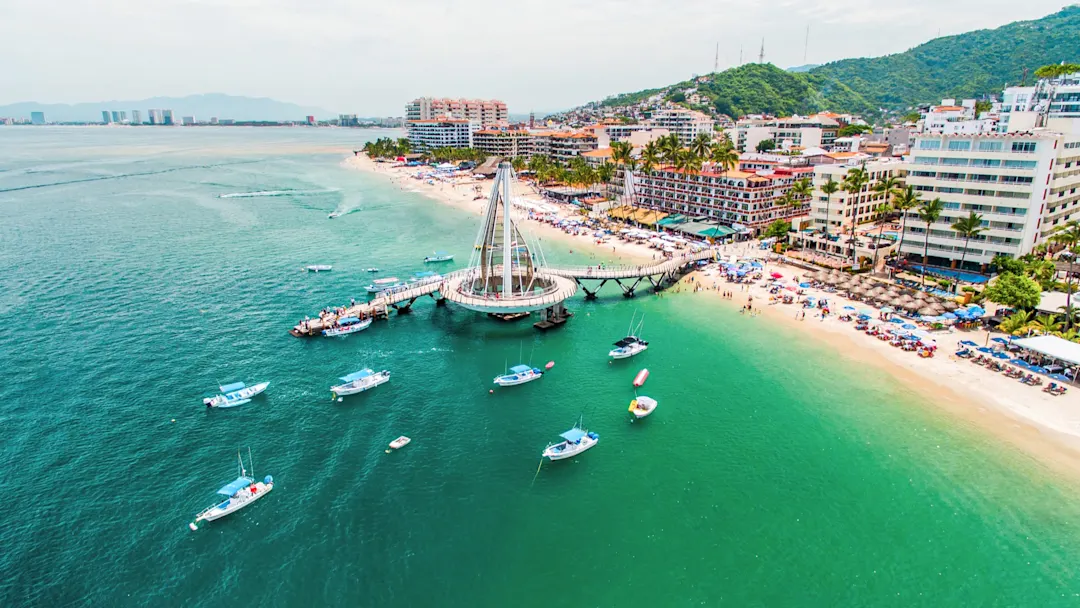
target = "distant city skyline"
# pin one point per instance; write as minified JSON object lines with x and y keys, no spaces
{"x":372,"y":59}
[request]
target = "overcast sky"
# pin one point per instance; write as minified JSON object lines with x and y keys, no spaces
{"x":369,"y":58}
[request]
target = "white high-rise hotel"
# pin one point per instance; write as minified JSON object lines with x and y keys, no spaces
{"x":485,"y":112}
{"x":1024,"y":180}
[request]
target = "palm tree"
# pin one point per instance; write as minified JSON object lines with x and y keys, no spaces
{"x":670,"y":148}
{"x":605,"y":173}
{"x":1069,"y":236}
{"x":650,"y":156}
{"x":904,"y":201}
{"x":1045,"y":324}
{"x":882,"y":214}
{"x":518,"y":163}
{"x":929,"y":213}
{"x":829,"y":188}
{"x":701,"y":145}
{"x":1016,"y":323}
{"x":622,"y":152}
{"x":967,"y":227}
{"x":1057,"y":70}
{"x":802,"y":190}
{"x":724,"y":156}
{"x":687,"y":161}
{"x":853,"y":184}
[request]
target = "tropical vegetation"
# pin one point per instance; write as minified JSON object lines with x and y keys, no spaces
{"x":386,"y":147}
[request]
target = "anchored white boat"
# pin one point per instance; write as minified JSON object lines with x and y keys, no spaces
{"x":346,"y":326}
{"x":631,"y":344}
{"x":519,"y":374}
{"x":575,"y":441}
{"x":372,"y":269}
{"x":239,"y":493}
{"x":334,"y":214}
{"x":439,"y":256}
{"x":319,"y":268}
{"x":358,"y":382}
{"x":642,"y":406}
{"x":384,"y":284}
{"x":400,"y":442}
{"x":235,"y":394}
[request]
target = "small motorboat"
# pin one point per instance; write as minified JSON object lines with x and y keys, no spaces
{"x":358,"y":382}
{"x":642,"y":406}
{"x":575,"y":441}
{"x":379,"y":285}
{"x":399,"y":443}
{"x":628,"y":347}
{"x":319,"y":268}
{"x":372,"y":269}
{"x":640,"y":378}
{"x":235,"y":394}
{"x":239,"y":493}
{"x":439,"y":256}
{"x":519,"y":374}
{"x":334,"y":214}
{"x":346,"y":326}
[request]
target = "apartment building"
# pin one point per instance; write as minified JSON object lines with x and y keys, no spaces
{"x":426,"y":135}
{"x":817,"y":131}
{"x":687,"y":124}
{"x":1023,"y":184}
{"x":1052,"y":103}
{"x":563,"y":145}
{"x":507,"y":143}
{"x":485,"y":112}
{"x":734,"y":198}
{"x":835,"y":212}
{"x":636,"y":134}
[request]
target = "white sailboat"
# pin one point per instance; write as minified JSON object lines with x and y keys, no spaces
{"x":239,"y":493}
{"x":519,"y":374}
{"x":358,"y":382}
{"x":235,"y":394}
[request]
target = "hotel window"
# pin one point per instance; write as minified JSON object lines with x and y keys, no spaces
{"x":1023,"y":146}
{"x":989,"y":146}
{"x":986,"y":162}
{"x":960,"y":145}
{"x":929,"y":144}
{"x":955,"y":162}
{"x":1020,"y":164}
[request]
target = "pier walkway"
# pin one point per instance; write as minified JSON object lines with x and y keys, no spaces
{"x":656,"y":273}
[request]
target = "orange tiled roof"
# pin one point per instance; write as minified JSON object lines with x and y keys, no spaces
{"x":598,"y":153}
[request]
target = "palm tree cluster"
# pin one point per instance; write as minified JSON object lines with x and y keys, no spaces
{"x":1026,"y":322}
{"x":386,"y":147}
{"x":577,"y":172}
{"x":451,"y":155}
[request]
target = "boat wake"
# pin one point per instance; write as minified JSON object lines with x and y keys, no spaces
{"x":261,"y":193}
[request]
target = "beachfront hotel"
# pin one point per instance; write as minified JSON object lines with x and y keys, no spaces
{"x":835,"y":211}
{"x":504,"y":143}
{"x":485,"y":112}
{"x":1024,"y":184}
{"x":427,"y":135}
{"x":562,"y":146}
{"x":740,"y":199}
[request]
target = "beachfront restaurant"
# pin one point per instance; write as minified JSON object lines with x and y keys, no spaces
{"x":1054,"y":356}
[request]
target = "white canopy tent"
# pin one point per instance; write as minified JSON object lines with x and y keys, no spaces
{"x":1053,"y":347}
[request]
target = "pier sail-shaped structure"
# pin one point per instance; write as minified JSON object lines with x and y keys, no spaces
{"x":506,"y":274}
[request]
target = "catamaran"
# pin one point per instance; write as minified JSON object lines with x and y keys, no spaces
{"x":240,"y":493}
{"x":575,"y":441}
{"x":358,"y":382}
{"x":642,"y":406}
{"x":631,"y":344}
{"x":319,"y":268}
{"x":235,"y":394}
{"x":346,"y":326}
{"x":519,"y":374}
{"x":383,"y":284}
{"x":439,"y":256}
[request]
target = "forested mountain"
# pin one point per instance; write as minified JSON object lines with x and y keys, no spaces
{"x":974,"y":64}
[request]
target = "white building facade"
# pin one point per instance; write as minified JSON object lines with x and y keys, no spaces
{"x":426,"y":135}
{"x":485,"y":112}
{"x":687,"y":124}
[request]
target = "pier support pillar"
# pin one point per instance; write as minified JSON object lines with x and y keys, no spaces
{"x":591,"y":295}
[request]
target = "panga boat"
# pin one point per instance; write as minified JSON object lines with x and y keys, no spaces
{"x":358,"y":382}
{"x":439,"y":256}
{"x":235,"y":394}
{"x":239,"y":494}
{"x":346,"y":326}
{"x":319,"y":268}
{"x":519,"y":374}
{"x":400,"y":442}
{"x":575,"y":441}
{"x":384,"y":284}
{"x":642,"y":406}
{"x":333,"y":214}
{"x":631,"y":344}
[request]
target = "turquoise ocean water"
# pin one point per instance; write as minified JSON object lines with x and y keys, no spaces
{"x":141,"y":267}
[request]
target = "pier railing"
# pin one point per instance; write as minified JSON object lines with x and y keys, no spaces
{"x":630,"y":272}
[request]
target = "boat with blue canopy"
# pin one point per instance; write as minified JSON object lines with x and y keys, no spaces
{"x":439,"y":256}
{"x":239,"y":493}
{"x":575,"y":441}
{"x":235,"y":394}
{"x":519,"y":374}
{"x":345,"y":326}
{"x":358,"y":382}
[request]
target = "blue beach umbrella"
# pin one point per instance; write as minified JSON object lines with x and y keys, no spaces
{"x":968,"y":343}
{"x":1020,"y":363}
{"x":898,"y":321}
{"x":1060,"y":377}
{"x":948,"y":315}
{"x":863,"y":317}
{"x":1038,"y":370}
{"x":850,"y":308}
{"x":804,"y":285}
{"x":1000,"y":355}
{"x":909,"y":326}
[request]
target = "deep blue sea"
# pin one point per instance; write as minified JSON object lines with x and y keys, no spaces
{"x":141,"y":267}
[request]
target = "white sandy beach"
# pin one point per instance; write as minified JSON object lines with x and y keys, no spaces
{"x":1042,"y":425}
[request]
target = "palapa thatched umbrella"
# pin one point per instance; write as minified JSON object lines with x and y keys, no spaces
{"x":906,"y":299}
{"x":896,"y":302}
{"x":878,"y":291}
{"x":927,"y":311}
{"x":950,"y":305}
{"x":922,"y":295}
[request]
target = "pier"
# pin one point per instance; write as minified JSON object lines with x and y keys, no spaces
{"x":657,"y":274}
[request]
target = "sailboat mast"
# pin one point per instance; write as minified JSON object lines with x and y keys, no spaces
{"x":251,"y":462}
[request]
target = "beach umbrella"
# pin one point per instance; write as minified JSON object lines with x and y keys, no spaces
{"x":1060,"y":377}
{"x":906,"y":298}
{"x":999,"y":340}
{"x":849,"y":308}
{"x":776,"y":275}
{"x":896,"y":321}
{"x":909,"y":326}
{"x":804,"y":285}
{"x":1000,"y":355}
{"x":948,"y":315}
{"x":1018,"y":362}
{"x":863,"y":317}
{"x":926,"y":311}
{"x":888,"y":309}
{"x":1037,"y":369}
{"x":985,"y":349}
{"x":950,"y":305}
{"x":968,"y":343}
{"x":896,"y":302}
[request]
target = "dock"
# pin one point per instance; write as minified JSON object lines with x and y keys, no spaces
{"x":400,"y":299}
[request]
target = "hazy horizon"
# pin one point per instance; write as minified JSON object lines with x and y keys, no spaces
{"x":371,"y":60}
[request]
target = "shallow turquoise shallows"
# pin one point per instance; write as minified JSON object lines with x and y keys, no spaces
{"x":140,"y":268}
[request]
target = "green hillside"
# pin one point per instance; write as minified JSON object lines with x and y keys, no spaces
{"x":968,"y":65}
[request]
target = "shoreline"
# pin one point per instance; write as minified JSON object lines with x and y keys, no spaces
{"x":1035,"y":423}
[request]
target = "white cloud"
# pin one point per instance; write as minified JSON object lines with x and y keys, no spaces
{"x":370,"y":57}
